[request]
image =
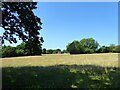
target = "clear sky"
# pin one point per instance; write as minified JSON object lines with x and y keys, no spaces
{"x":64,"y":22}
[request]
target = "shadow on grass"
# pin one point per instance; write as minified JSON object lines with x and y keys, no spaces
{"x":61,"y":76}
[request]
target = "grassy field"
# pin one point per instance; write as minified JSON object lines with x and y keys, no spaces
{"x":62,"y":70}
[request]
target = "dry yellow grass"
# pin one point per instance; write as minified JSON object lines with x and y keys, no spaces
{"x":107,"y":59}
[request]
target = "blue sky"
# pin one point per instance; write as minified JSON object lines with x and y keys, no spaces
{"x":68,"y":21}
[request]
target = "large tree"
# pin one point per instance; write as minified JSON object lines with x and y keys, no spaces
{"x":89,"y":44}
{"x":86,"y":45}
{"x":18,"y":19}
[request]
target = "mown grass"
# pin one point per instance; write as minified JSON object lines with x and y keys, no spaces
{"x":67,"y":74}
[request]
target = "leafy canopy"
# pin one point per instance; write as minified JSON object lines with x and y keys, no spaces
{"x":88,"y":45}
{"x":18,"y":19}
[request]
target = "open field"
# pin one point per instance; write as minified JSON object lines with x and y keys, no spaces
{"x":62,"y":70}
{"x":108,"y":59}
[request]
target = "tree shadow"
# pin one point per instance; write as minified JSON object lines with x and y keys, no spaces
{"x":61,"y":76}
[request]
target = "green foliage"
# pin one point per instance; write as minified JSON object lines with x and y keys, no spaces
{"x":33,"y":47}
{"x":18,"y":17}
{"x":103,"y":49}
{"x":20,"y":49}
{"x":20,"y":52}
{"x":88,"y":45}
{"x":44,"y":51}
{"x":118,"y":49}
{"x":53,"y":51}
{"x":112,"y":48}
{"x":85,"y":46}
{"x":64,"y":51}
{"x":19,"y":20}
{"x":75,"y":48}
{"x":49,"y":51}
{"x":89,"y":51}
{"x":8,"y":51}
{"x":56,"y":51}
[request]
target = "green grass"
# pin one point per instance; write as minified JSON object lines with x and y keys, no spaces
{"x":63,"y":72}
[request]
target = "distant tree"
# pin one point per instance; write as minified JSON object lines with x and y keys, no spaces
{"x":21,"y":46}
{"x":20,"y":50}
{"x":56,"y":51}
{"x":107,"y":49}
{"x":75,"y":48}
{"x":59,"y":50}
{"x":19,"y":19}
{"x":44,"y":51}
{"x":64,"y":51}
{"x":89,"y":44}
{"x":112,"y":48}
{"x":103,"y":49}
{"x":118,"y":48}
{"x":49,"y":51}
{"x":8,"y":51}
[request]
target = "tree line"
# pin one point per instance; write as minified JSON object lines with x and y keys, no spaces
{"x":53,"y":51}
{"x":20,"y":50}
{"x":84,"y":46}
{"x":90,"y":45}
{"x":23,"y":50}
